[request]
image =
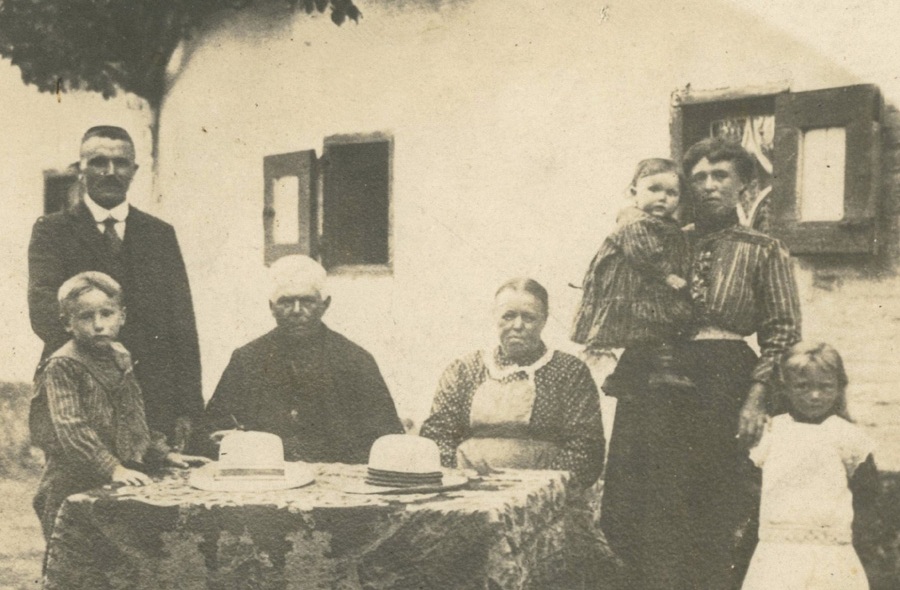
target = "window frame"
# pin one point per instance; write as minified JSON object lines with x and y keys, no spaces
{"x":858,"y":108}
{"x":377,"y":269}
{"x":746,"y":101}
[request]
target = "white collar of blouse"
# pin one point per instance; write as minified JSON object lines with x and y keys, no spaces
{"x":499,"y":373}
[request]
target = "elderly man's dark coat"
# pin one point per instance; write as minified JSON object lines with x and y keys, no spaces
{"x":323,"y":395}
{"x":160,"y":331}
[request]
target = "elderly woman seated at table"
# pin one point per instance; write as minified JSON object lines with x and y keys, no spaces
{"x":519,"y":405}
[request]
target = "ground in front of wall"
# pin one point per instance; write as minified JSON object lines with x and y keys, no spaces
{"x":21,"y":543}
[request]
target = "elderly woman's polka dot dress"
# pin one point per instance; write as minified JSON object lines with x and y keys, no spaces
{"x":565,"y":410}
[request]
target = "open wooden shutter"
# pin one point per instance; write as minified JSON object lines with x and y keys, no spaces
{"x":290,"y":212}
{"x":851,"y":114}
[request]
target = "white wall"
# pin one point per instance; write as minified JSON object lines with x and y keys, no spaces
{"x":516,"y":127}
{"x":516,"y":123}
{"x":41,"y":132}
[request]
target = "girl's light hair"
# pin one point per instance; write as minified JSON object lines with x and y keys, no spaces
{"x":75,"y":287}
{"x":819,"y":354}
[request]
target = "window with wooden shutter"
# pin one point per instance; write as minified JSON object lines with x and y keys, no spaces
{"x":336,"y":208}
{"x":818,"y":154}
{"x":828,"y":147}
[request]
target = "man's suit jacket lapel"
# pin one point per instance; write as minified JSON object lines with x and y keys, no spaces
{"x":143,"y":251}
{"x":136,"y":243}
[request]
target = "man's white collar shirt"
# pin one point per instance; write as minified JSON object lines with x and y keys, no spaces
{"x":119,"y":213}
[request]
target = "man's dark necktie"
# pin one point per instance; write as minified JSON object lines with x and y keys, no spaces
{"x":111,"y":236}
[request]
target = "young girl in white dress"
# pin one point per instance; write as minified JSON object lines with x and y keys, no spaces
{"x":814,"y":460}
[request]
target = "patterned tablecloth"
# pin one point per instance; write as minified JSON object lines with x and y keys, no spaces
{"x":504,"y":531}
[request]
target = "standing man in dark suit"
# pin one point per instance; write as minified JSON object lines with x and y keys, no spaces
{"x":105,"y":233}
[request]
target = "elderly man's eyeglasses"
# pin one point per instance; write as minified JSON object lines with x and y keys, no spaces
{"x":304,"y":303}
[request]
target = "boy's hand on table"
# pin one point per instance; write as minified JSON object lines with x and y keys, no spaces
{"x":129,"y":477}
{"x":182,"y":433}
{"x":676,"y":282}
{"x":185,"y":461}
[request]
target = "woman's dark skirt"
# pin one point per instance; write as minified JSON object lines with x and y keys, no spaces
{"x":681,"y":496}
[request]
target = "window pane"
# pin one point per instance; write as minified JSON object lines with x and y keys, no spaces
{"x":285,"y":197}
{"x":821,"y":180}
{"x":355,"y":203}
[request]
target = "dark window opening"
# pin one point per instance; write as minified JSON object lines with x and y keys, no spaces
{"x":61,"y":190}
{"x":355,"y":204}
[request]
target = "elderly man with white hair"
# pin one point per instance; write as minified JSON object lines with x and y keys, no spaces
{"x":317,"y":390}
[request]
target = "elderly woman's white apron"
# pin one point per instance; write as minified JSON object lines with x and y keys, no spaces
{"x":500,"y":419}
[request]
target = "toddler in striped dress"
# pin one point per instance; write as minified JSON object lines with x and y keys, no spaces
{"x":635,"y":291}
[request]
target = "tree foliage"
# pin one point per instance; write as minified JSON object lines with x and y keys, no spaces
{"x":110,"y":45}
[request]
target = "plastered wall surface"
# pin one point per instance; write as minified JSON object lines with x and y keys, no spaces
{"x":516,"y":128}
